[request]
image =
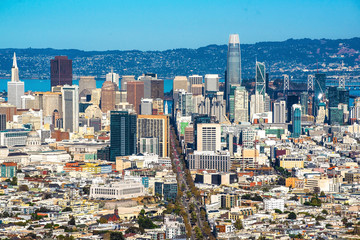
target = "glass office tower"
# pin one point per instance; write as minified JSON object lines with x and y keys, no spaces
{"x":296,"y":120}
{"x":260,"y":78}
{"x":233,"y":68}
{"x":122,"y":134}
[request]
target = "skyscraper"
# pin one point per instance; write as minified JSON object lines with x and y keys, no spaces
{"x":113,"y":77}
{"x":15,"y":86}
{"x":241,"y":106}
{"x":194,"y":80}
{"x":61,"y":71}
{"x":180,"y":82}
{"x":70,"y":107}
{"x":157,"y":88}
{"x":290,"y":101}
{"x":260,"y":78}
{"x":209,"y":137}
{"x":146,"y":106}
{"x":211,"y":83}
{"x":337,"y":95}
{"x":296,"y":120}
{"x":108,"y":94}
{"x":279,"y":112}
{"x":304,"y":99}
{"x":256,"y":104}
{"x":155,"y":126}
{"x":86,"y":85}
{"x":135,"y":91}
{"x":319,"y":84}
{"x":125,"y":80}
{"x":122,"y":134}
{"x":185,"y":103}
{"x":233,"y":68}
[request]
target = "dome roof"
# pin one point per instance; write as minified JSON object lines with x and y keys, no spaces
{"x":33,"y":134}
{"x":108,"y":86}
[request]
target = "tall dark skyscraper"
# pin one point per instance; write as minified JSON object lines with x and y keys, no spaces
{"x":320,"y":84}
{"x":290,"y":101}
{"x":233,"y":68}
{"x":337,"y":95}
{"x":61,"y":71}
{"x":122,"y":134}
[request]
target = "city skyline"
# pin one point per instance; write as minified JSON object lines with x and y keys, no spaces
{"x":122,"y":25}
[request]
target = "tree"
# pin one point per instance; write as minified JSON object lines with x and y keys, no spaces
{"x":238,"y":224}
{"x":319,"y":218}
{"x":291,"y":215}
{"x":278,"y":211}
{"x":48,"y":225}
{"x":86,"y":190}
{"x":67,"y":209}
{"x":13,"y":181}
{"x":294,"y":198}
{"x":144,"y":221}
{"x":198,"y":233}
{"x":72,"y":221}
{"x":103,"y":220}
{"x":324,"y":212}
{"x":135,"y":230}
{"x":116,"y":236}
{"x":23,"y":188}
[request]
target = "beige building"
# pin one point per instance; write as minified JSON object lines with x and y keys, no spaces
{"x":52,"y":101}
{"x":122,"y":163}
{"x":93,"y":111}
{"x":208,"y":137}
{"x":158,"y":106}
{"x":96,"y":96}
{"x":86,"y":85}
{"x":180,"y":82}
{"x":291,"y":161}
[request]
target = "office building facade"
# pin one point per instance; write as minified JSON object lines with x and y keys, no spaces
{"x":208,"y":137}
{"x":155,"y":126}
{"x":70,"y":107}
{"x":209,"y":160}
{"x":279,"y":112}
{"x":61,"y":71}
{"x":296,"y":120}
{"x":233,"y":67}
{"x":122,"y":134}
{"x":113,"y":77}
{"x":135,"y":92}
{"x":241,"y":105}
{"x":108,"y":96}
{"x":211,"y":83}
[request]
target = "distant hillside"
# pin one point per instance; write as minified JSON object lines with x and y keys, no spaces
{"x":290,"y":56}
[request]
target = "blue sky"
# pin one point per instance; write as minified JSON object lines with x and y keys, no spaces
{"x":159,"y":25}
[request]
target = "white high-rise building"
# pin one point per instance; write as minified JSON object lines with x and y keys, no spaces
{"x":15,"y":86}
{"x":241,"y":111}
{"x":113,"y":77}
{"x":208,"y":137}
{"x":256,"y":104}
{"x":146,"y":106}
{"x":279,"y":112}
{"x":212,"y":82}
{"x":70,"y":107}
